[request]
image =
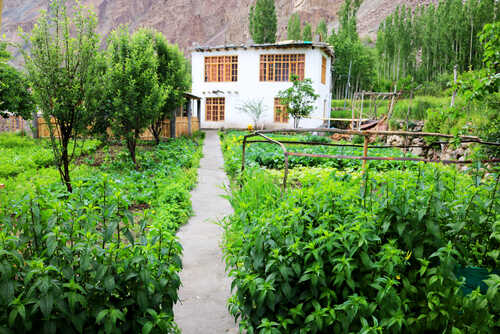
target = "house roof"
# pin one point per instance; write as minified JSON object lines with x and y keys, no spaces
{"x":280,"y":45}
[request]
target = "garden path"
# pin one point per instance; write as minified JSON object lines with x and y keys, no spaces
{"x":205,"y":287}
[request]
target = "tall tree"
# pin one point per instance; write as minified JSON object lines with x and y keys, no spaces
{"x":293,"y":29}
{"x":354,"y":62}
{"x":432,"y":39}
{"x":322,"y":31}
{"x":307,"y":33}
{"x":133,"y":85}
{"x":173,"y":75}
{"x":263,"y":23}
{"x":60,"y":64}
{"x":14,"y":94}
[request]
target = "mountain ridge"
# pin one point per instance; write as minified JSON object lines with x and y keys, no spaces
{"x":191,"y":23}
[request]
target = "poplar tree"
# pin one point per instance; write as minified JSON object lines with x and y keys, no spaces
{"x":432,"y":39}
{"x":322,"y":31}
{"x":263,"y":23}
{"x":307,"y":33}
{"x":293,"y":29}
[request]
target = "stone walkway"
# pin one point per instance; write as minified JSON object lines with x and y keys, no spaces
{"x":205,"y":287}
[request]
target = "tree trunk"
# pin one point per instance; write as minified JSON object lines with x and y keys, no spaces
{"x":156,"y":130}
{"x":172,"y":124}
{"x":131,"y":145}
{"x":65,"y":164}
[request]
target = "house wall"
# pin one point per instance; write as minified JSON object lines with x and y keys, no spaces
{"x":248,"y":87}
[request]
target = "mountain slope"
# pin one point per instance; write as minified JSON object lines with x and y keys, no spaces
{"x":200,"y":22}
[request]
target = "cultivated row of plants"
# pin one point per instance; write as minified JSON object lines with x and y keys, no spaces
{"x":104,"y":258}
{"x":385,"y":251}
{"x":271,"y":156}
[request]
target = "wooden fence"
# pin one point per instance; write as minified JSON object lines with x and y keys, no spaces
{"x":12,"y":124}
{"x":181,"y":128}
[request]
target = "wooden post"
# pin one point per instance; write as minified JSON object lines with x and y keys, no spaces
{"x":352,"y":117}
{"x":389,"y":114}
{"x":361,"y":112}
{"x":365,"y":152}
{"x":190,"y":132}
{"x":35,"y":125}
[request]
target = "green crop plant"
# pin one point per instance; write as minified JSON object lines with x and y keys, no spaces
{"x":363,"y":253}
{"x":103,"y":259}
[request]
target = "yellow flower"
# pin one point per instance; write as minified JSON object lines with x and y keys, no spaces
{"x":408,"y":255}
{"x":398,"y":277}
{"x":250,"y":127}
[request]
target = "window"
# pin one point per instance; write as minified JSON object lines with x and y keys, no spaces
{"x":214,"y":109}
{"x":280,"y":67}
{"x":280,"y":113}
{"x":221,"y":68}
{"x":323,"y":70}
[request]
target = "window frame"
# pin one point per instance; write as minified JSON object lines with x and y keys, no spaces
{"x":216,"y":107}
{"x":283,"y":117}
{"x":278,"y":67}
{"x":323,"y":70}
{"x":221,"y":68}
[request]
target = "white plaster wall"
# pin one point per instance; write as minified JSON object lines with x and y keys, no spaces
{"x":248,"y":87}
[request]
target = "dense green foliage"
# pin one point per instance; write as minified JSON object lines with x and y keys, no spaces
{"x":60,"y":64}
{"x":379,"y":252}
{"x":354,"y":62}
{"x":133,"y":85}
{"x":103,"y":259}
{"x":322,"y":31}
{"x":14,"y":94}
{"x":307,"y":33}
{"x":263,"y":23}
{"x":174,"y":75}
{"x":477,"y":111}
{"x":299,"y":99}
{"x":293,"y":29}
{"x":433,"y":39}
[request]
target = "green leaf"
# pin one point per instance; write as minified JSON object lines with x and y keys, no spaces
{"x":101,"y":316}
{"x":46,"y":304}
{"x":148,"y":326}
{"x":109,"y":283}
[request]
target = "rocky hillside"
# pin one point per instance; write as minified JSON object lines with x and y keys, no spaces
{"x":200,"y":22}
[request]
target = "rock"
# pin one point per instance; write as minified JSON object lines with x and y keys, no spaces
{"x":199,"y":22}
{"x":395,"y":140}
{"x":417,"y":151}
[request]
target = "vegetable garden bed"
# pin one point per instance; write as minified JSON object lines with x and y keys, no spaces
{"x":348,"y":252}
{"x":103,"y":259}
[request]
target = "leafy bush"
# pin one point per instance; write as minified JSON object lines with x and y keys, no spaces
{"x":363,"y":254}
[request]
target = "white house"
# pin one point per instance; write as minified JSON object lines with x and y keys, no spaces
{"x":227,"y":76}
